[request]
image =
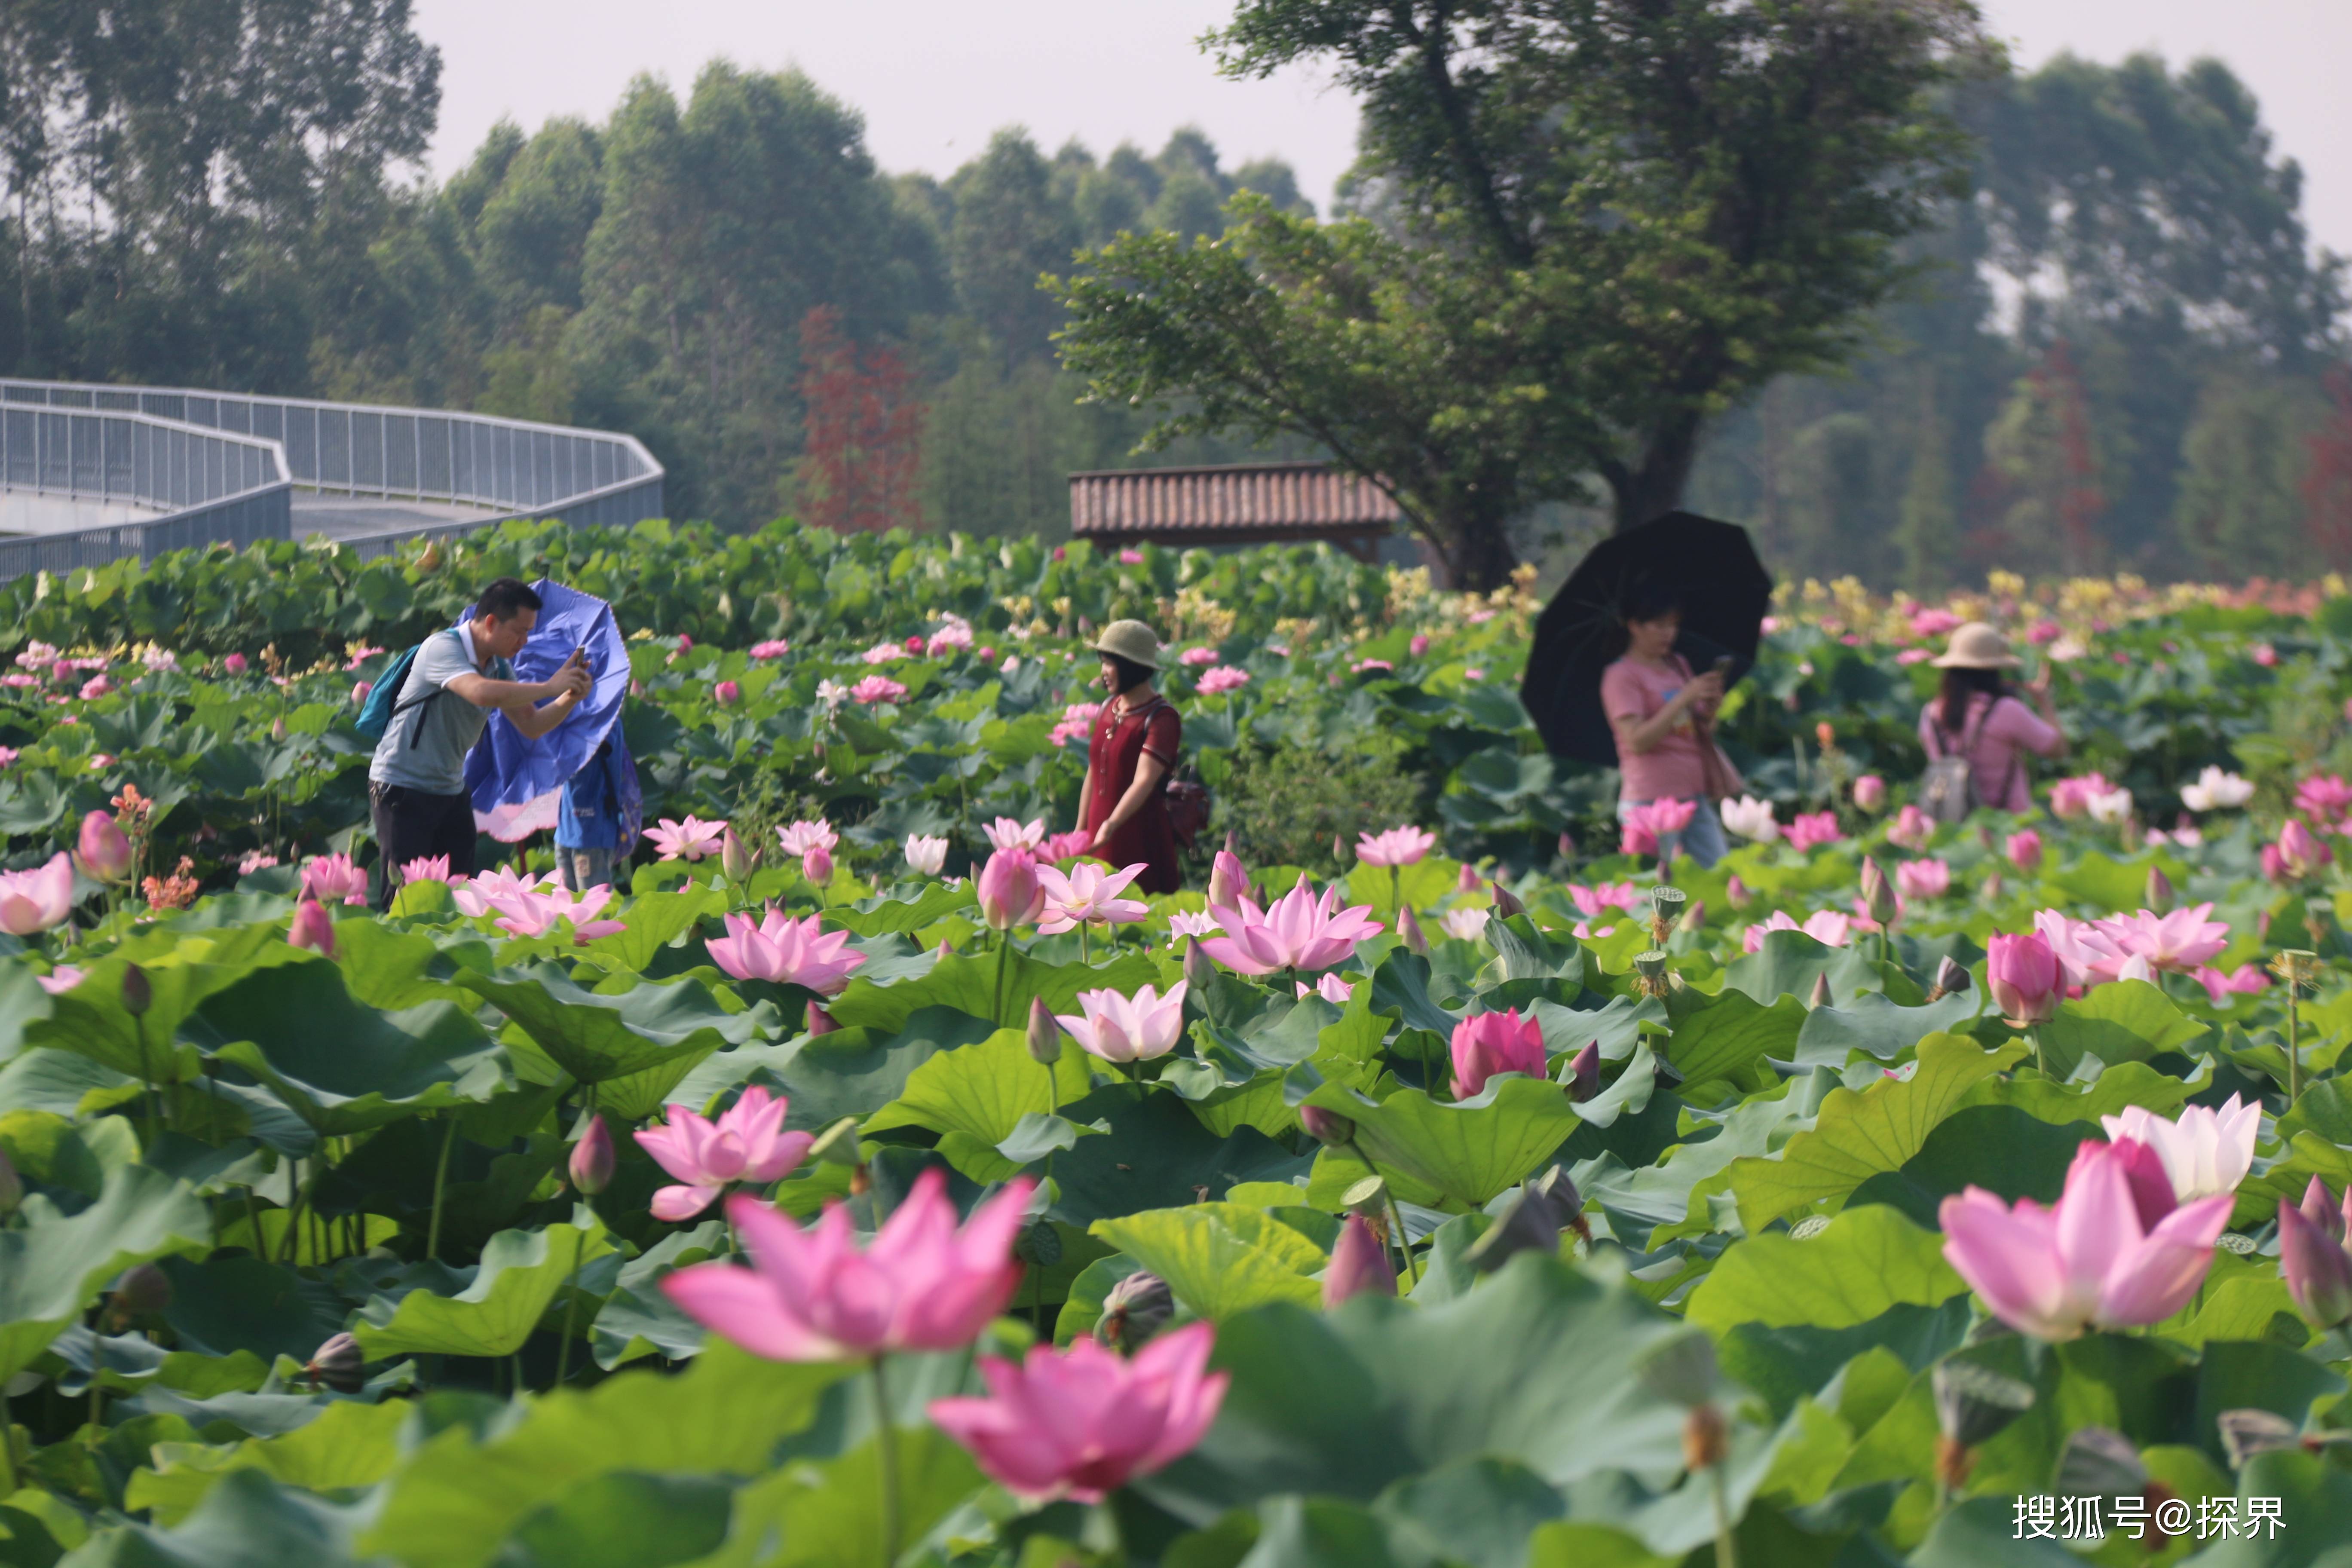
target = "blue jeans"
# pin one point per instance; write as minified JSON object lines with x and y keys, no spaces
{"x":1701,"y":840}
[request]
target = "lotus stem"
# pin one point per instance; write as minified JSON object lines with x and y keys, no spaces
{"x":1404,"y":1242}
{"x":440,"y":1182}
{"x":887,"y":1470}
{"x":1726,"y":1554}
{"x":570,"y":1311}
{"x":2293,"y":1047}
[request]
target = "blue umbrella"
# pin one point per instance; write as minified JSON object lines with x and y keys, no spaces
{"x":515,"y":780}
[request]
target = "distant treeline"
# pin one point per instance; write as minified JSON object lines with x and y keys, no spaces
{"x":2121,"y":352}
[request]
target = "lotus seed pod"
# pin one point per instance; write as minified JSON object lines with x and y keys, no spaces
{"x":339,"y":1364}
{"x":1136,"y":1308}
{"x":141,"y":1290}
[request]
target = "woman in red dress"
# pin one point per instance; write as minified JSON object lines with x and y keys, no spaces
{"x":1128,"y":754}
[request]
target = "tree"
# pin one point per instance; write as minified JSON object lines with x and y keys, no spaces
{"x":1008,"y":228}
{"x":863,"y":452}
{"x":1927,"y":531}
{"x":1680,"y":198}
{"x":2327,"y":480}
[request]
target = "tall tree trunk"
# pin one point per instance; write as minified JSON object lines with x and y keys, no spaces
{"x":1653,"y":487}
{"x":1478,"y":555}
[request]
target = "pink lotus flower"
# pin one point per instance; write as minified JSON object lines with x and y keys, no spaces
{"x":1829,"y":927}
{"x":60,"y":979}
{"x":878,"y":688}
{"x":1131,"y":557}
{"x":96,"y":686}
{"x":103,"y":850}
{"x":1661,"y":817}
{"x":426,"y":869}
{"x":926,"y":856}
{"x":1808,"y":829}
{"x":235,"y":664}
{"x":2023,"y":975}
{"x":805,"y":835}
{"x":330,"y":877}
{"x":2264,"y":655}
{"x":312,"y":927}
{"x":883,"y":653}
{"x":1330,"y":987}
{"x":746,"y":1143}
{"x":1418,"y":646}
{"x":255,"y":861}
{"x":1466,"y":880}
{"x":1224,"y":677}
{"x":1081,"y":1423}
{"x":1599,"y":898}
{"x":1464,"y":924}
{"x":693,"y":839}
{"x":2206,"y":1153}
{"x":2297,"y":855}
{"x":32,"y":901}
{"x":1127,"y":1028}
{"x":1010,"y":891}
{"x":1359,"y":1262}
{"x":818,"y":866}
{"x":494,"y":890}
{"x":1369,"y":665}
{"x":726,"y":693}
{"x":2179,"y":942}
{"x":1933,"y":623}
{"x":1494,"y":1043}
{"x":787,"y":952}
{"x":2071,"y":798}
{"x":2243,"y":981}
{"x":2094,"y":1259}
{"x":2314,"y":1259}
{"x":359,"y":689}
{"x":1912,"y":828}
{"x":1006,"y":833}
{"x":2024,"y":849}
{"x":2043,"y":631}
{"x":1397,"y":847}
{"x":546,"y":911}
{"x":812,"y":1295}
{"x":775,"y":649}
{"x":1078,"y":720}
{"x":1088,"y":895}
{"x":1299,"y":932}
{"x":1061,"y":849}
{"x":2322,"y":797}
{"x":1197,"y":655}
{"x":2088,"y":954}
{"x":1923,"y":879}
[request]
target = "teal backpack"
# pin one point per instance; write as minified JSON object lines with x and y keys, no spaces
{"x":383,"y":704}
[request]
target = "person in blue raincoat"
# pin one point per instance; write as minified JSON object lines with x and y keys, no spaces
{"x":597,"y":816}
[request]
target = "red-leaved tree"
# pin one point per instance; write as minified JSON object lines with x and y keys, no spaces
{"x":2327,"y":482}
{"x":864,"y":447}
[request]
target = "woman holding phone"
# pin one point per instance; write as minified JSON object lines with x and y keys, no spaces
{"x":1664,"y":718}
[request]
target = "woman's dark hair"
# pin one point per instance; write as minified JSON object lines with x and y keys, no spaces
{"x":1644,"y":602}
{"x":505,"y":598}
{"x":1960,"y":686}
{"x":1128,"y":673}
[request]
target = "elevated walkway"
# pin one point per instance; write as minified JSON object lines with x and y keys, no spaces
{"x":92,"y":473}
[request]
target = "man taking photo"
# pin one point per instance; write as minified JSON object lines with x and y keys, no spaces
{"x":416,"y":784}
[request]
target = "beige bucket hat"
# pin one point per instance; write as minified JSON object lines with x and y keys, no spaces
{"x":1133,"y":641}
{"x":1977,"y":646}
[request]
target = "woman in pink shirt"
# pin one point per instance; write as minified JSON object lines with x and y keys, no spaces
{"x":1664,"y":718}
{"x":1977,"y":716}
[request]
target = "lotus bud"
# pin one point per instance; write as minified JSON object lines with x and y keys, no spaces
{"x":137,"y":994}
{"x":817,"y":1021}
{"x":1506,"y":903}
{"x":592,"y":1159}
{"x":2159,"y":891}
{"x":339,"y":1365}
{"x":1328,"y":1128}
{"x":1736,"y":894}
{"x":2317,"y":1270}
{"x":1878,"y":893}
{"x":1199,"y":973}
{"x":1467,"y":882}
{"x":1567,"y":845}
{"x":1409,"y":929}
{"x":1583,"y":1075}
{"x":1044,"y":1034}
{"x":2318,"y":1206}
{"x":103,"y":850}
{"x":313,"y":927}
{"x":1136,"y":1308}
{"x":1232,"y":845}
{"x":1694,"y":917}
{"x":1228,"y":879}
{"x":816,"y":865}
{"x":1950,"y":978}
{"x":12,"y":1187}
{"x":1359,"y":1262}
{"x":278,"y":728}
{"x":141,"y":1292}
{"x":736,"y":859}
{"x":1338,"y":849}
{"x":1992,"y":891}
{"x":1820,"y":995}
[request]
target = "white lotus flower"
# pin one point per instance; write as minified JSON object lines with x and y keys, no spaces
{"x":2216,"y":790}
{"x":2206,"y":1151}
{"x":1752,"y":818}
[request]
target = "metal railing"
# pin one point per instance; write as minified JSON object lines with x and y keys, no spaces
{"x":512,"y":468}
{"x":209,"y":486}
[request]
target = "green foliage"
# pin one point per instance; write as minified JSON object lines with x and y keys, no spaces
{"x":1286,"y":804}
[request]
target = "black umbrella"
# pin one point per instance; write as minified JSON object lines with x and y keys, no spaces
{"x":1724,"y":592}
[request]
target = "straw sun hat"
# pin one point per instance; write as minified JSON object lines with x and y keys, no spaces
{"x":1977,"y":646}
{"x":1133,"y":641}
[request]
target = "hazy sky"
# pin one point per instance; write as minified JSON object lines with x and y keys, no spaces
{"x":934,"y":77}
